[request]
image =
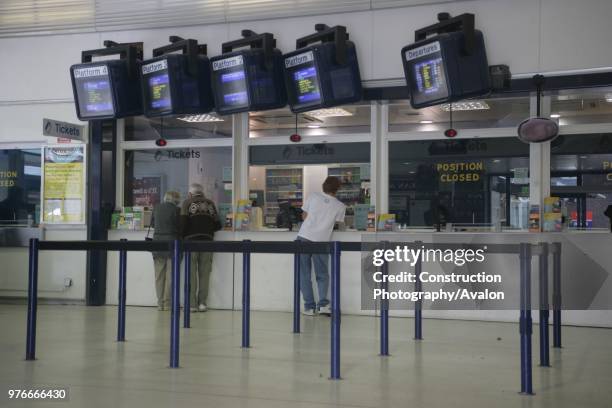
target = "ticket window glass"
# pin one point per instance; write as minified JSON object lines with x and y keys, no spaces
{"x":468,"y":114}
{"x":204,"y":126}
{"x":581,"y":175}
{"x":469,"y":183}
{"x":150,"y":173}
{"x":347,"y":119}
{"x":20,"y":184}
{"x":281,"y":177}
{"x":582,"y":107}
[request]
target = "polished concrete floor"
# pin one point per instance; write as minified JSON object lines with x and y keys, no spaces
{"x":458,"y":364}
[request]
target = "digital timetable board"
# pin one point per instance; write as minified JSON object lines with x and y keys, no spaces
{"x":429,"y":74}
{"x":93,"y":91}
{"x":437,"y":70}
{"x":170,"y":89}
{"x":315,"y":79}
{"x":242,"y":82}
{"x":233,"y":86}
{"x":158,"y":88}
{"x":103,"y":90}
{"x":305,"y":79}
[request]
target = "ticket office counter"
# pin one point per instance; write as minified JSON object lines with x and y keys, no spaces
{"x":272,"y":274}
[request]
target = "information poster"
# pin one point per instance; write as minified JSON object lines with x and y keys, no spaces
{"x":146,"y":191}
{"x":64,"y":184}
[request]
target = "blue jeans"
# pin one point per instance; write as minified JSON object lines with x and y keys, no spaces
{"x":321,"y":262}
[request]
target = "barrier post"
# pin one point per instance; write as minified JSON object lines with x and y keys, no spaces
{"x":384,"y":311}
{"x":418,"y":306}
{"x":296,"y":289}
{"x":187,"y":292}
{"x":335,"y":312}
{"x":32,"y":299}
{"x":122,"y":293}
{"x":525,"y":323}
{"x":544,"y":306}
{"x":175,"y":310}
{"x":246,"y":297}
{"x":556,"y":246}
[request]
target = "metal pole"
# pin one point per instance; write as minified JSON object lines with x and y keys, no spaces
{"x":544,"y":307}
{"x":335,"y":316}
{"x":187,"y":292}
{"x":122,"y":293}
{"x":525,"y":319}
{"x":384,"y":312}
{"x":246,"y":296}
{"x":296,"y":290}
{"x":418,"y":306}
{"x":32,"y":300}
{"x":556,"y":246}
{"x":176,"y":310}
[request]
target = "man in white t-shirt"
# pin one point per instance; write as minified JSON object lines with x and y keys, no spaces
{"x":321,"y":212}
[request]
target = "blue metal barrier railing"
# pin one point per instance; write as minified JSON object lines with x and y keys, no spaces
{"x":246,"y":247}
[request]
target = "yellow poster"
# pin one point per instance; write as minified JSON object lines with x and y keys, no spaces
{"x":63,"y":184}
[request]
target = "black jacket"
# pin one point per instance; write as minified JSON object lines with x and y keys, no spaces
{"x":199,"y":218}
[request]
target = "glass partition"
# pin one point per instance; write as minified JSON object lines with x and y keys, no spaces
{"x":468,"y":114}
{"x":582,"y":107}
{"x":204,"y":126}
{"x":282,"y":176}
{"x":150,"y":173}
{"x":282,"y":122}
{"x":581,"y":175}
{"x":465,"y":182}
{"x":20,"y":175}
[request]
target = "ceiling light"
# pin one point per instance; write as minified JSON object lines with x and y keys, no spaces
{"x":328,"y":113}
{"x":555,"y":115}
{"x":205,"y":117}
{"x":496,"y":160}
{"x":313,"y":126}
{"x":466,"y":106}
{"x":426,"y":122}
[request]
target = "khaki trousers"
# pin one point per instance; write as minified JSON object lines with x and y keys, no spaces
{"x":163,"y":279}
{"x":201,"y":266}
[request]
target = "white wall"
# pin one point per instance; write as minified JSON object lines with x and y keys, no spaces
{"x":52,"y":269}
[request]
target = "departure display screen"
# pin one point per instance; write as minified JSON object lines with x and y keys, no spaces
{"x":157,"y":86}
{"x":426,"y":72}
{"x":159,"y":97}
{"x":305,"y":78}
{"x":234,"y":88}
{"x":430,"y":76}
{"x":93,"y":88}
{"x":307,"y":85}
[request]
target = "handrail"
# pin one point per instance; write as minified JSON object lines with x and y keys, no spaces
{"x":269,"y":247}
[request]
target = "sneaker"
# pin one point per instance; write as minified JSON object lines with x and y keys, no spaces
{"x":193,"y":309}
{"x":308,"y":312}
{"x":202,"y":307}
{"x":325,"y":310}
{"x":161,"y":308}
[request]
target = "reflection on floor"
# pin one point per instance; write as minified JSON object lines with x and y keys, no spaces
{"x":458,"y":364}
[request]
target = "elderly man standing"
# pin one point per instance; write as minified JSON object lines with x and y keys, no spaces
{"x":199,"y":221}
{"x":166,"y":223}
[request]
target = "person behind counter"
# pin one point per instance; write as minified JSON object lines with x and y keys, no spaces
{"x":199,"y":221}
{"x":321,"y":212}
{"x":166,"y":223}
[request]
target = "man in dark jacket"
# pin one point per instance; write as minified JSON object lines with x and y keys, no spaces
{"x":199,"y":221}
{"x":166,"y":223}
